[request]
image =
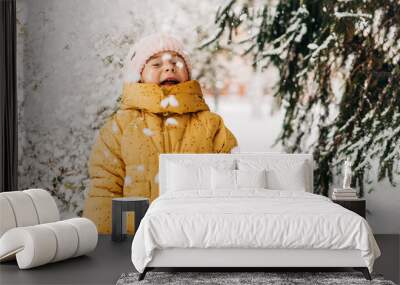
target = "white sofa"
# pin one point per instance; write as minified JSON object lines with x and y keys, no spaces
{"x":31,"y":231}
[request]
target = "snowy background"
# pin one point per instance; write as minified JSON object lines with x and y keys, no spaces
{"x":70,"y":70}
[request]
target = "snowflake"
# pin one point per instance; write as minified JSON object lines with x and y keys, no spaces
{"x":353,"y":15}
{"x":171,"y":121}
{"x":164,"y":102}
{"x":170,"y":100}
{"x":148,"y":132}
{"x":312,"y":46}
{"x":114,"y":127}
{"x":140,"y":167}
{"x":127,"y":181}
{"x":166,"y":57}
{"x":179,"y":64}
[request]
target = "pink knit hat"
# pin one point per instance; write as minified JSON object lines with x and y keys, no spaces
{"x":147,"y":47}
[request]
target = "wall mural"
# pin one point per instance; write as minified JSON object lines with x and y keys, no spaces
{"x":275,"y":83}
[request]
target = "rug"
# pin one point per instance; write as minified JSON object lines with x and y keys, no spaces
{"x":269,"y":278}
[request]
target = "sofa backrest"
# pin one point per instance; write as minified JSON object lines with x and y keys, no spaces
{"x":287,"y":171}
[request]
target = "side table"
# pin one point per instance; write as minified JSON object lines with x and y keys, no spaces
{"x":356,"y":205}
{"x":119,"y":208}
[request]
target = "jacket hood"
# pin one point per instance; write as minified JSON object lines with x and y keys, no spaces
{"x":185,"y":97}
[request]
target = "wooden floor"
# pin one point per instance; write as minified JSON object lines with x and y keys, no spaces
{"x":111,"y":259}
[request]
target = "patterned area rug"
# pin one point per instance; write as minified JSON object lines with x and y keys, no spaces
{"x":269,"y":278}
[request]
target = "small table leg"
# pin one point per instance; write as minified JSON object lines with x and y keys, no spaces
{"x":120,"y":206}
{"x":117,"y":222}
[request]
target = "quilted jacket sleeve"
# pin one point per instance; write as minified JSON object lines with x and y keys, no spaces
{"x":106,"y":167}
{"x":224,"y":141}
{"x":107,"y":172}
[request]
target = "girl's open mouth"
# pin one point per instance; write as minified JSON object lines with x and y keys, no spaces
{"x":169,"y":81}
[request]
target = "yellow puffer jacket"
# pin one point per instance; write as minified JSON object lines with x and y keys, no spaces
{"x":152,"y":119}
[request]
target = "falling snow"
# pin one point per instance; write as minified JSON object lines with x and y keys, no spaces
{"x":164,"y":102}
{"x":166,"y":57}
{"x":312,"y":46}
{"x":148,"y":132}
{"x":114,"y":127}
{"x":353,"y":15}
{"x":171,"y":121}
{"x":170,"y":100}
{"x":127,"y":180}
{"x":179,"y":64}
{"x":140,"y":167}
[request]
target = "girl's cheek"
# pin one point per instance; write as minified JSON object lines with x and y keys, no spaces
{"x":184,"y":74}
{"x":150,"y":76}
{"x":154,"y":76}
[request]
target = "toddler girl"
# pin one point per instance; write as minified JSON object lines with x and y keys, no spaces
{"x":162,"y":111}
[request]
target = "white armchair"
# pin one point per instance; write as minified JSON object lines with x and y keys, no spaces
{"x":31,"y":230}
